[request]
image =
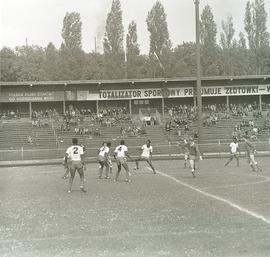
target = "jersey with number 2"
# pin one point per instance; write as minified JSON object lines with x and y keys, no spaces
{"x":74,"y":152}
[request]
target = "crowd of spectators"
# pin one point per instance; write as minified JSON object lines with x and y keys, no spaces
{"x":133,"y":130}
{"x":112,"y":116}
{"x":181,"y":117}
{"x":247,"y":127}
{"x":87,"y":122}
{"x":9,"y":114}
{"x":266,"y":124}
{"x":105,"y":116}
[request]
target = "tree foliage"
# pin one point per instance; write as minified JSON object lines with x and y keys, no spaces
{"x":228,"y":44}
{"x":211,"y":54}
{"x":8,"y":67}
{"x":113,"y":43}
{"x":234,"y":55}
{"x":132,"y":51}
{"x":160,"y":44}
{"x":258,"y":36}
{"x":72,"y":30}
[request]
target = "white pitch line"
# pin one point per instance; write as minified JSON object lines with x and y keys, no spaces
{"x":266,"y":180}
{"x":218,"y":198}
{"x":112,"y":236}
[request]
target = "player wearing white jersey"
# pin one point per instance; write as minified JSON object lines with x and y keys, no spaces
{"x":234,"y":152}
{"x":67,"y":163}
{"x":121,"y":154}
{"x":146,"y":155}
{"x":76,"y":155}
{"x":103,"y":159}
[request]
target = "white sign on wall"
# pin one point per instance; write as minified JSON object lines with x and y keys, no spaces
{"x":151,"y":93}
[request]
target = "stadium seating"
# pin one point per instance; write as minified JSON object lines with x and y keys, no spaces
{"x":15,"y":133}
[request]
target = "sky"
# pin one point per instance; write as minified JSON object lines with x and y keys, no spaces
{"x":41,"y":21}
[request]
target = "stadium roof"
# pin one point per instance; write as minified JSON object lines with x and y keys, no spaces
{"x":136,"y":81}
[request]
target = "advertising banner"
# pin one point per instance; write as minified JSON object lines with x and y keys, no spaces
{"x":125,"y":94}
{"x":43,"y":96}
{"x":148,"y":93}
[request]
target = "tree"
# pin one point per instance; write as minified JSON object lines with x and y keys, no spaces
{"x":160,"y":44}
{"x":8,"y":70}
{"x":94,"y":66}
{"x":258,"y":37}
{"x":183,"y":61}
{"x":211,"y":54}
{"x":71,"y":63}
{"x":29,"y":63}
{"x":113,"y":43}
{"x":208,"y":27}
{"x":227,"y":43}
{"x":249,"y":27}
{"x":71,"y":56}
{"x":132,"y":52}
{"x":72,"y":30}
{"x":226,"y":36}
{"x":241,"y":61}
{"x":51,"y":62}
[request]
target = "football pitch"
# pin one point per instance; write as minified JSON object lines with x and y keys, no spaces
{"x":222,"y":212}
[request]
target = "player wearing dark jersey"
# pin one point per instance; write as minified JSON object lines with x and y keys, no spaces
{"x":109,"y":144}
{"x":194,"y":155}
{"x":250,"y":151}
{"x":184,"y":144}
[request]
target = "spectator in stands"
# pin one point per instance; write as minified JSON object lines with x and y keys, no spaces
{"x":122,"y":132}
{"x":152,"y":121}
{"x":97,"y":132}
{"x":30,"y":140}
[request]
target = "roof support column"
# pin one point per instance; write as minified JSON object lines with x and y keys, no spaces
{"x":97,"y":106}
{"x":260,"y":103}
{"x":130,"y":106}
{"x":163,"y":106}
{"x":30,"y":110}
{"x":228,"y":102}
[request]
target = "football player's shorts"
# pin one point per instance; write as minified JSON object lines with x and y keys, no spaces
{"x":192,"y":157}
{"x":236,"y":155}
{"x":121,"y":160}
{"x":76,"y":165}
{"x":101,"y":158}
{"x":251,"y":159}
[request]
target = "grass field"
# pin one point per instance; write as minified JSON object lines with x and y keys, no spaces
{"x":223,"y":212}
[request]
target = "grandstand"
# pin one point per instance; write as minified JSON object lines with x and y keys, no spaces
{"x":89,"y":114}
{"x":48,"y":140}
